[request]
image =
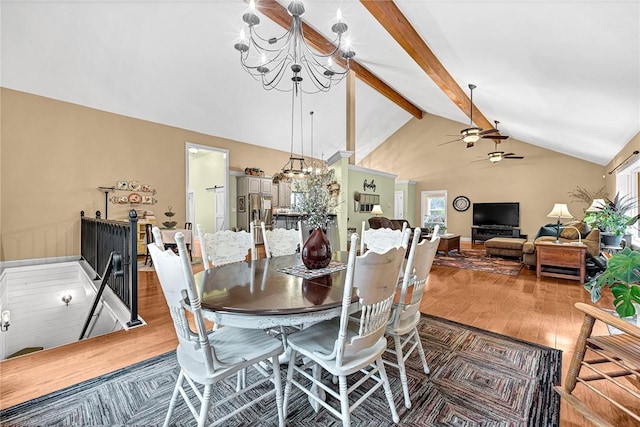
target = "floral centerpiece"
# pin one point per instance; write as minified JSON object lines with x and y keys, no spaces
{"x":317,"y":201}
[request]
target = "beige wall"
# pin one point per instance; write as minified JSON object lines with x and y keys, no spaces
{"x":543,"y":178}
{"x":55,"y":155}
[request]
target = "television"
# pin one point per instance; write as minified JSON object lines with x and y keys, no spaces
{"x":496,"y":214}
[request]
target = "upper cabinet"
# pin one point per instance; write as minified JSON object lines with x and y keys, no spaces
{"x":265,"y":186}
{"x":254,"y":185}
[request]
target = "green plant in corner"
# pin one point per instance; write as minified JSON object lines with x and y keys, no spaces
{"x":622,"y":275}
{"x":613,"y":217}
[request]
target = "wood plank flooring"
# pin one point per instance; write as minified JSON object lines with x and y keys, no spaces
{"x":536,"y":310}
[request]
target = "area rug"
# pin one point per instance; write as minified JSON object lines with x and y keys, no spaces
{"x":478,"y":378}
{"x":476,"y":259}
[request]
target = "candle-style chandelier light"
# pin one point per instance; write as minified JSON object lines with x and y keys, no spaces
{"x":269,"y":59}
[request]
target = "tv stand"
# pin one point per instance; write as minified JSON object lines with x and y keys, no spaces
{"x":486,"y":232}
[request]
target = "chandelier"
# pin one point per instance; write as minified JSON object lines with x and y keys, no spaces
{"x":268,"y":58}
{"x":296,"y":166}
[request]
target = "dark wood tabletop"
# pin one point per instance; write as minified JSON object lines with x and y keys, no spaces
{"x":257,"y":288}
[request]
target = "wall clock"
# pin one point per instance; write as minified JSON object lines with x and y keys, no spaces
{"x":461,"y":203}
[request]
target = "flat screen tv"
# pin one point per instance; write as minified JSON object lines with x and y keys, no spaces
{"x":496,"y":214}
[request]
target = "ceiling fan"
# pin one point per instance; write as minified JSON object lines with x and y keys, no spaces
{"x":497,"y":156}
{"x":473,"y":133}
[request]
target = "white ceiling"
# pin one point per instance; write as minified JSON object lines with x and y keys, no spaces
{"x":560,"y":75}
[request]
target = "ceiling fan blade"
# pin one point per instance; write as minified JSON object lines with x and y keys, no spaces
{"x":449,"y":142}
{"x":479,"y":160}
{"x":495,"y":136}
{"x":508,"y":154}
{"x":512,"y":157}
{"x":484,"y":132}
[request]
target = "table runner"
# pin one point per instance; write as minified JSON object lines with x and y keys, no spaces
{"x":304,"y":272}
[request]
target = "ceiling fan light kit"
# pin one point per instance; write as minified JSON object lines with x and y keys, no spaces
{"x":472,"y":134}
{"x":495,"y":157}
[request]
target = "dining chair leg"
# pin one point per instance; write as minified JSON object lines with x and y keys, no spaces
{"x":403,"y":371}
{"x":425,"y":366}
{"x":277,"y":380}
{"x":204,"y":405}
{"x":287,"y":386}
{"x":174,"y":398}
{"x":344,"y":401}
{"x":387,"y":390}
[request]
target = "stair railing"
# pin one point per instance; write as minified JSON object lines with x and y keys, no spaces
{"x":99,"y":238}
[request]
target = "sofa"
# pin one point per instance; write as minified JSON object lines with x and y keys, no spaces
{"x":590,"y":237}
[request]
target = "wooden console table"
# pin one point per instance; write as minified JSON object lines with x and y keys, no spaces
{"x":565,"y":261}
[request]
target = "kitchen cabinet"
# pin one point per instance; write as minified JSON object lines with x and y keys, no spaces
{"x":265,"y":185}
{"x":254,"y":184}
{"x":284,"y":194}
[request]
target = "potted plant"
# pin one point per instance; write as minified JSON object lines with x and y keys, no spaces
{"x":622,"y":275}
{"x":613,"y":220}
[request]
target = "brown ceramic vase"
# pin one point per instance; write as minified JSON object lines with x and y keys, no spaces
{"x":316,"y":251}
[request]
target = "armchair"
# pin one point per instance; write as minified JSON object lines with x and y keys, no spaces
{"x":611,"y":358}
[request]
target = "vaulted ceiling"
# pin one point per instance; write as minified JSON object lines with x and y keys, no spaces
{"x":560,"y":75}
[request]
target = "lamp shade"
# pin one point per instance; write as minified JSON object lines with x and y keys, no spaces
{"x":560,"y":210}
{"x":596,"y":205}
{"x":377,"y":210}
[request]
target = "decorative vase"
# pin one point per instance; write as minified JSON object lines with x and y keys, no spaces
{"x":316,"y":251}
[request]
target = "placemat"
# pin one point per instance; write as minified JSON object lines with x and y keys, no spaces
{"x":304,"y":272}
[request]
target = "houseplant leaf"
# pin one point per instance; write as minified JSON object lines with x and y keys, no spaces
{"x":622,"y":275}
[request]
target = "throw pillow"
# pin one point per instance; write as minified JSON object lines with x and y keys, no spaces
{"x":547,"y":230}
{"x":572,"y":233}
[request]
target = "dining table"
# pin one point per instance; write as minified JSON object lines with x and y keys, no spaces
{"x":169,"y":236}
{"x":271,"y":292}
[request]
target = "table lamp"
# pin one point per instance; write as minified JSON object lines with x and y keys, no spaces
{"x":377,"y":210}
{"x":597,"y":205}
{"x":559,"y":210}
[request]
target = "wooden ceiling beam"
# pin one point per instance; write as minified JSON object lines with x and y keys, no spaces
{"x":279,"y":14}
{"x":387,"y":13}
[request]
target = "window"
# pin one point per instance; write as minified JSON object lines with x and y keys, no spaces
{"x":434,"y":208}
{"x":627,"y":185}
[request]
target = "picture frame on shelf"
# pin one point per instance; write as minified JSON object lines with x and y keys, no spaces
{"x":241,"y":204}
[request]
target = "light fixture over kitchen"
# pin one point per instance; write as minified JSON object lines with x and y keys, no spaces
{"x":268,"y":59}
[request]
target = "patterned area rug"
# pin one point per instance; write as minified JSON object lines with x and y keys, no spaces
{"x":478,"y":378}
{"x":476,"y":259}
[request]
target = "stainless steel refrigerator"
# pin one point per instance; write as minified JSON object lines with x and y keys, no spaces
{"x":256,"y":210}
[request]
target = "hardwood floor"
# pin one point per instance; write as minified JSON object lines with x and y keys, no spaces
{"x":524,"y":307}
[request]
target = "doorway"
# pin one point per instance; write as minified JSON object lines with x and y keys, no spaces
{"x":207,"y":187}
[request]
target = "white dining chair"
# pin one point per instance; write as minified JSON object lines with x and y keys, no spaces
{"x":435,"y":232}
{"x":343,"y":347}
{"x":209,"y":357}
{"x":381,"y":239}
{"x":280,"y":241}
{"x":405,"y":315}
{"x":224,"y":247}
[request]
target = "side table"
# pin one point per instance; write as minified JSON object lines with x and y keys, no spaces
{"x":448,"y":242}
{"x":564,"y":261}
